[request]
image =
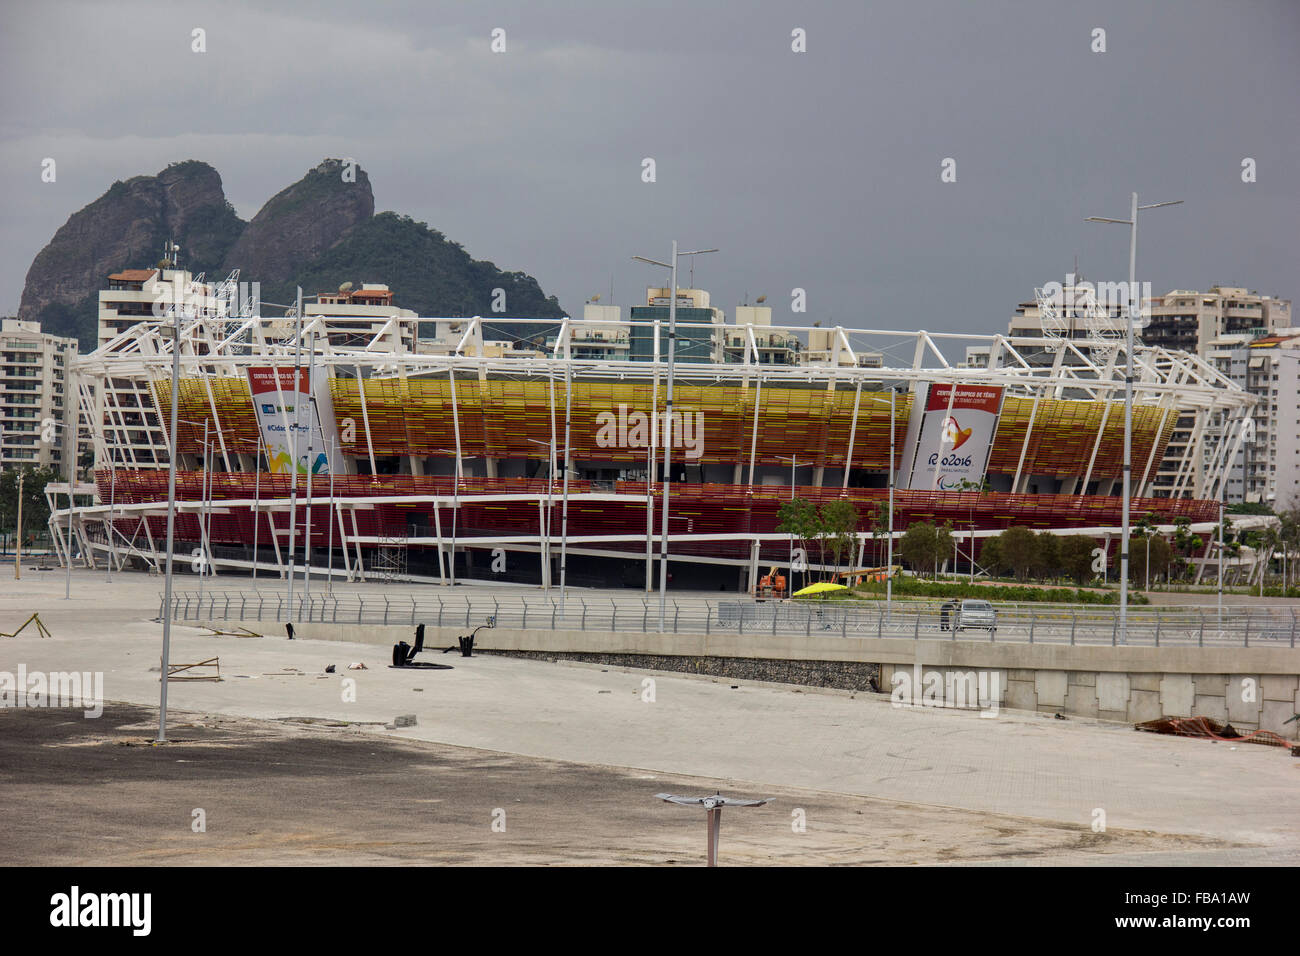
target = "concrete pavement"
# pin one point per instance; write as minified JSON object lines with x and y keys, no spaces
{"x":1166,"y":799}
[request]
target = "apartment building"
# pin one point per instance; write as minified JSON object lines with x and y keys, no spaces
{"x":693,"y":344}
{"x":1265,"y":463}
{"x":773,"y":347}
{"x":364,"y":318}
{"x":1196,"y":321}
{"x":36,"y":394}
{"x":132,"y":427}
{"x":1206,"y":324}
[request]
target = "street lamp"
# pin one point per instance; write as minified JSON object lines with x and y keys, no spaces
{"x":794,"y":460}
{"x":546,"y":531}
{"x":72,"y":493}
{"x":293,"y":445}
{"x":889,"y":560}
{"x":257,"y":488}
{"x":455,"y":511}
{"x":205,"y":526}
{"x":668,"y":418}
{"x":1134,"y":307}
{"x":171,"y":531}
{"x":112,"y":492}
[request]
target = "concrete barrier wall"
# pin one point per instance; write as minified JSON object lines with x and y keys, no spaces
{"x":1253,"y":688}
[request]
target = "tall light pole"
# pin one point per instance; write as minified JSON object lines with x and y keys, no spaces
{"x":112,"y":492}
{"x":72,"y":496}
{"x":1220,"y":562}
{"x":293,"y":446}
{"x":203,"y":509}
{"x":171,"y":531}
{"x":1134,"y":307}
{"x":546,"y":528}
{"x":889,"y":560}
{"x":455,"y":511}
{"x":17,"y":541}
{"x":668,"y":418}
{"x":311,"y":450}
{"x":564,"y":516}
{"x":794,"y":461}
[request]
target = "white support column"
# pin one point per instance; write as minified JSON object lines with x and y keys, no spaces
{"x":442,"y":554}
{"x":356,"y":540}
{"x":853,"y":433}
{"x":343,"y":539}
{"x":753,"y":437}
{"x":1024,"y":445}
{"x":1101,"y":430}
{"x":365,"y":420}
{"x":153,"y":548}
{"x":1144,"y":485}
{"x":216,"y":422}
{"x":544,"y":546}
{"x":275,"y":540}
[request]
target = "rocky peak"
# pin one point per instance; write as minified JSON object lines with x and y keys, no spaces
{"x":303,"y":220}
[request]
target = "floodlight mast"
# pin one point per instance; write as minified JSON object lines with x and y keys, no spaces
{"x":668,"y":419}
{"x":171,"y":531}
{"x":1134,"y":308}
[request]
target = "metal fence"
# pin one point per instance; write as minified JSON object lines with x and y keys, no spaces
{"x":1203,"y":626}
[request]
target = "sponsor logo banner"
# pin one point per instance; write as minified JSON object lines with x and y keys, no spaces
{"x":290,"y":427}
{"x":956,"y":435}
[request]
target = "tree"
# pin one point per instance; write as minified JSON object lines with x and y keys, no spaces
{"x":36,"y":510}
{"x":991,"y":556}
{"x":1047,"y":555}
{"x":838,"y":528}
{"x":1019,"y":550}
{"x":880,"y":526}
{"x":1185,"y":543}
{"x":1160,"y":551}
{"x":1289,"y":531}
{"x":798,"y":518}
{"x":942,"y":545}
{"x":916,"y":547}
{"x":1076,"y":557}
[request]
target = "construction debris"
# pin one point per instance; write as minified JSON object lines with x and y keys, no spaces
{"x":209,"y":670}
{"x":40,"y":628}
{"x":1207,"y":729}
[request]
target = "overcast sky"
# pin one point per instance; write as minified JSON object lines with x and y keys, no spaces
{"x":818,"y":170}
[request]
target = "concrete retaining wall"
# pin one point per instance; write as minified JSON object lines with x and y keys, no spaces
{"x":1254,"y":688}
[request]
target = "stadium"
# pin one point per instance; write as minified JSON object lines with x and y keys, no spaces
{"x":384,"y":458}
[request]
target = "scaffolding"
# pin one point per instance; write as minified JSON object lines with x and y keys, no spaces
{"x":389,"y":563}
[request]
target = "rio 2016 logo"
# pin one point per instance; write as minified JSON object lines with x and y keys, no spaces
{"x":951,"y":461}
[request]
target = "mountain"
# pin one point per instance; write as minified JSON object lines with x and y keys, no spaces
{"x":318,"y":233}
{"x":126,"y":228}
{"x":426,"y":271}
{"x":302,"y":221}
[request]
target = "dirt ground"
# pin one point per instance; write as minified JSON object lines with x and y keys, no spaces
{"x":327,"y":793}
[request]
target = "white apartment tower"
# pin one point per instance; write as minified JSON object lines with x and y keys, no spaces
{"x":36,"y":393}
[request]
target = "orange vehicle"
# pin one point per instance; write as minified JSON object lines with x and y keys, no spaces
{"x":770,"y":585}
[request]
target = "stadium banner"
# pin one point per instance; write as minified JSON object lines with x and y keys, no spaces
{"x":284,"y":409}
{"x":955,"y":436}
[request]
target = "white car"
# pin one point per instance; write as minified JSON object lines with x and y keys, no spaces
{"x":968,"y":614}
